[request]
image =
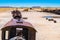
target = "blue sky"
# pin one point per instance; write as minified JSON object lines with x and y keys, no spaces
{"x":29,"y":3}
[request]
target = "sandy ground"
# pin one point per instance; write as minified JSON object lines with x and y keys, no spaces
{"x":46,"y":30}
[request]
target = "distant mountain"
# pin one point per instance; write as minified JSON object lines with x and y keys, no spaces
{"x":36,"y":7}
{"x":5,"y":7}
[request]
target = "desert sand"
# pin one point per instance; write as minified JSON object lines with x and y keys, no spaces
{"x":46,"y":30}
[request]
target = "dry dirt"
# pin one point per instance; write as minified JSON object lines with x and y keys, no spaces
{"x":46,"y":30}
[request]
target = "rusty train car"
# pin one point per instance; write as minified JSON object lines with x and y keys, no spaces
{"x":17,"y":30}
